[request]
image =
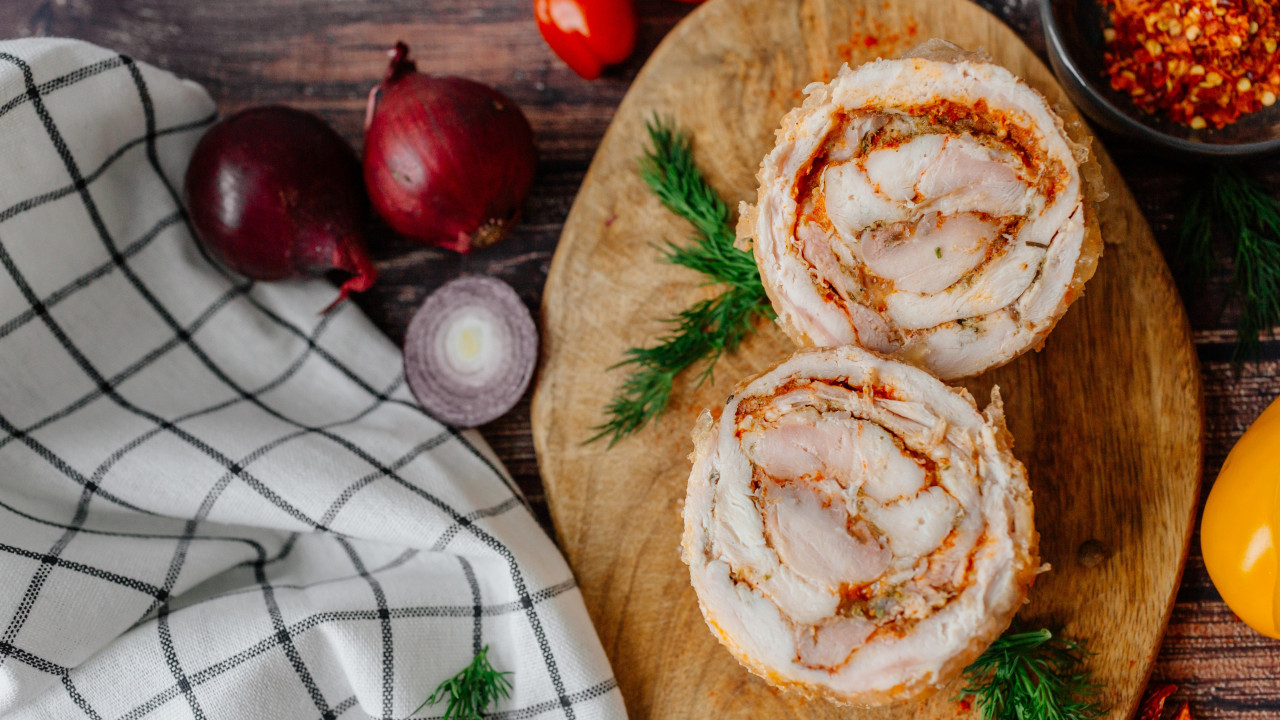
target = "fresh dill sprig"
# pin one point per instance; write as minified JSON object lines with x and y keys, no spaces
{"x":469,"y":693}
{"x":1234,"y":204}
{"x":708,"y":328}
{"x":1036,"y":674}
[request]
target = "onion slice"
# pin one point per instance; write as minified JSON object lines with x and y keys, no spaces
{"x":470,"y":350}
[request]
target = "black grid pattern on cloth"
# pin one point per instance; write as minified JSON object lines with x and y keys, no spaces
{"x":159,"y":597}
{"x":311,"y":622}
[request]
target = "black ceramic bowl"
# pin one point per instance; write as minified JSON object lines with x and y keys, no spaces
{"x":1073,"y":36}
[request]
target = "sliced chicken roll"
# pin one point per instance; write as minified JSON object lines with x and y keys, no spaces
{"x":856,"y":529}
{"x":931,"y":208}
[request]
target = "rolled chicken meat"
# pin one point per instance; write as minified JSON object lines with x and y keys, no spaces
{"x":931,"y":208}
{"x":856,"y":529}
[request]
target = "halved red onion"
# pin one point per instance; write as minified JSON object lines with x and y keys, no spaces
{"x":470,"y":351}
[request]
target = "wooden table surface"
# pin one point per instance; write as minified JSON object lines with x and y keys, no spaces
{"x":323,"y":55}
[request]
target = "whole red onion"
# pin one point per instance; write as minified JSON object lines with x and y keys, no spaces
{"x":446,"y":160}
{"x":275,"y":192}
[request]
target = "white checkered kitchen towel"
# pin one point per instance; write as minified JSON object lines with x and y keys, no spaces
{"x":215,"y":502}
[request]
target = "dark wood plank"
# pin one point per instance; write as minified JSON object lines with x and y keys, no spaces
{"x":324,"y":54}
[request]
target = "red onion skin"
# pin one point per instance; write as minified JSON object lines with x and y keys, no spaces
{"x":274,"y":193}
{"x":447,"y":161}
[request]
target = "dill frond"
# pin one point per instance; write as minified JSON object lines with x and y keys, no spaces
{"x":1036,"y":674}
{"x":707,"y":329}
{"x":1235,"y":205}
{"x":469,"y":693}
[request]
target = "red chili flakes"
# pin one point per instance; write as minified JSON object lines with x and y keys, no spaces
{"x":875,"y":34}
{"x":1201,"y":62}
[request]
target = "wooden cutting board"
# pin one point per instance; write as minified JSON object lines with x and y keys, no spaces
{"x":1107,"y":418}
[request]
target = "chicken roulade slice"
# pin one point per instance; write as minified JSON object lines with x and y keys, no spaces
{"x":931,"y":208}
{"x":854,"y":528}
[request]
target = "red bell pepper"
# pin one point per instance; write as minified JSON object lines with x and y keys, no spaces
{"x":588,"y":34}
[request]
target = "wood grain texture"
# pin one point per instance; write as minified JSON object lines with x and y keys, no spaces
{"x":322,"y":54}
{"x":1107,"y":418}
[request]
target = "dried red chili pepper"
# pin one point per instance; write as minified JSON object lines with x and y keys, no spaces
{"x":588,"y":34}
{"x":1154,"y":706}
{"x":1201,"y":62}
{"x":1184,"y":712}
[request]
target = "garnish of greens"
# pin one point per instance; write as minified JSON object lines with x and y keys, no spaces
{"x":1233,"y":204}
{"x":708,"y":328}
{"x":469,"y":693}
{"x":1036,"y":674}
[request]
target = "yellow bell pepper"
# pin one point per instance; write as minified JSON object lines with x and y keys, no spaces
{"x":1240,"y":534}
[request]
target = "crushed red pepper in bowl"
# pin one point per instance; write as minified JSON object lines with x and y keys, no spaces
{"x":1200,"y":62}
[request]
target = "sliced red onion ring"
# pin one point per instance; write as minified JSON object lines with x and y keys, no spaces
{"x":470,"y":351}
